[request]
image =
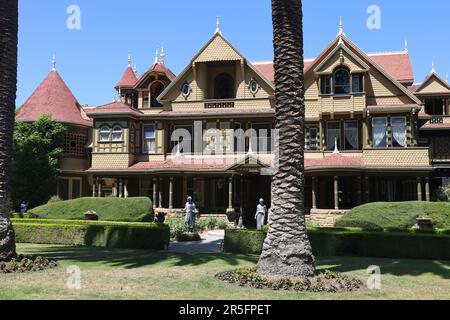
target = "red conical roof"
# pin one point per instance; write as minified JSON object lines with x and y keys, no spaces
{"x":129,"y":79}
{"x":53,"y":97}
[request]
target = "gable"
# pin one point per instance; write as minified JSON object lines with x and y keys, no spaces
{"x":341,"y":56}
{"x":218,"y":50}
{"x":432,"y":85}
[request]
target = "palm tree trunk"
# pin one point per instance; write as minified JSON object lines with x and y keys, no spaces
{"x":287,"y":250}
{"x":8,"y":85}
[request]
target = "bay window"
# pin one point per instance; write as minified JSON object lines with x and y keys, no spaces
{"x":379,"y":132}
{"x":333,"y":135}
{"x":351,"y":135}
{"x":399,"y":132}
{"x":149,"y":137}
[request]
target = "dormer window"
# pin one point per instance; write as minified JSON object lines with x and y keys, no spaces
{"x":224,"y":87}
{"x":341,"y":82}
{"x":105,"y":133}
{"x":117,"y":134}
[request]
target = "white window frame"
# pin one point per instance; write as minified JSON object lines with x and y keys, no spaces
{"x":102,"y":132}
{"x":144,"y":139}
{"x":117,"y":129}
{"x":379,"y":126}
{"x":406,"y":131}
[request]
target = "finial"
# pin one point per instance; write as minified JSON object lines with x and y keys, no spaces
{"x":218,"y":25}
{"x":156,"y":57}
{"x":54,"y":62}
{"x":406,"y":46}
{"x":135,"y":69}
{"x":341,"y":28}
{"x":433,"y":67}
{"x":446,"y":78}
{"x":162,"y":54}
{"x":129,"y":59}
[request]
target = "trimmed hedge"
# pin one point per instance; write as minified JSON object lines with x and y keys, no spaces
{"x":93,"y":234}
{"x":353,"y":242}
{"x":398,"y":215}
{"x":138,"y":209}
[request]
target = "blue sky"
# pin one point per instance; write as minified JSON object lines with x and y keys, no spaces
{"x":91,"y":60}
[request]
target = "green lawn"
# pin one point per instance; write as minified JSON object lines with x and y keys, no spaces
{"x":133,"y":274}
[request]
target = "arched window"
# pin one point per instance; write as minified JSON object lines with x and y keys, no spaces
{"x":224,"y":87}
{"x":341,"y":82}
{"x":117,"y":133}
{"x":105,"y":133}
{"x":156,"y":89}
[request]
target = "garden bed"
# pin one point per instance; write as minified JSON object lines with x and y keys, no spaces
{"x":27,"y":263}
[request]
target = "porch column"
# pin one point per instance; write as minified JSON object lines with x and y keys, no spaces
{"x":100,"y":188}
{"x":154,"y":194}
{"x":367,"y":189}
{"x":94,"y":182}
{"x":314,"y":192}
{"x":120,"y":188}
{"x":359,"y":189}
{"x":336,"y":193}
{"x":171,"y":193}
{"x":114,"y":189}
{"x":427,"y":189}
{"x":419,"y":189}
{"x":230,"y":193}
{"x":444,"y":106}
{"x":159,"y":193}
{"x":125,"y":189}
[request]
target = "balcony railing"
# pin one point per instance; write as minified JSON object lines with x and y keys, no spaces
{"x":438,"y":121}
{"x":219,"y":105}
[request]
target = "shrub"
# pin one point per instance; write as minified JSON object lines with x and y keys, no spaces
{"x":54,"y":199}
{"x":93,"y":233}
{"x":398,"y":215}
{"x":353,"y":242}
{"x":108,"y":209}
{"x":178,"y":225}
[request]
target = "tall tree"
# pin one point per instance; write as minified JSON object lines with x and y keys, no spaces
{"x":37,"y":145}
{"x":8,"y":85}
{"x":287,"y":250}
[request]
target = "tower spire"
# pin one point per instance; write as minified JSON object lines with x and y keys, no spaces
{"x":433,"y":67}
{"x":406,"y":46}
{"x":162,"y":54}
{"x":156,"y":57}
{"x":135,"y":69}
{"x":129,"y":59}
{"x":341,"y":28}
{"x":54,"y":62}
{"x":218,"y":25}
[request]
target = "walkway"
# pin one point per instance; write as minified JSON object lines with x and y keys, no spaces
{"x":212,"y":242}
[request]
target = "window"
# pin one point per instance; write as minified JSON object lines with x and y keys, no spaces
{"x":399,"y":132}
{"x":313,"y":139}
{"x":117,"y":134}
{"x":185,"y":89}
{"x":145,"y":100}
{"x":263,"y":138}
{"x":156,"y":89}
{"x":351,"y":135}
{"x":357,"y":83}
{"x":224,"y":87}
{"x":105,"y":134}
{"x":74,"y":144}
{"x":149,"y":142}
{"x":341,"y":82}
{"x":325,"y":85}
{"x":379,"y":132}
{"x":333,"y":135}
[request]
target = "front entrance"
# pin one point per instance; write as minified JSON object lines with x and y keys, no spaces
{"x":256,"y":187}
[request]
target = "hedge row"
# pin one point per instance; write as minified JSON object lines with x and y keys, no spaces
{"x":340,"y":242}
{"x":94,"y":234}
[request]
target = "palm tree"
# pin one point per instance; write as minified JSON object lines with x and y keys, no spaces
{"x":287,"y":250}
{"x":8,"y":85}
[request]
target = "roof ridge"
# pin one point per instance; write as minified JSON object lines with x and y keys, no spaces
{"x":386,"y":53}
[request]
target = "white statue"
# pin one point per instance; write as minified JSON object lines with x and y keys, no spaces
{"x":190,"y":211}
{"x":260,"y":215}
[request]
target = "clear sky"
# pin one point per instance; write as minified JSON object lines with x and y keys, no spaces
{"x":92,"y":59}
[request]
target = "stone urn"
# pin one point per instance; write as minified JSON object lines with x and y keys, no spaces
{"x":91,"y":216}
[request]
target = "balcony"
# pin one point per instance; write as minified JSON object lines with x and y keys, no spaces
{"x":397,"y":157}
{"x":437,"y":122}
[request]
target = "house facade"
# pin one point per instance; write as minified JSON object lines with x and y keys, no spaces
{"x":371,"y":133}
